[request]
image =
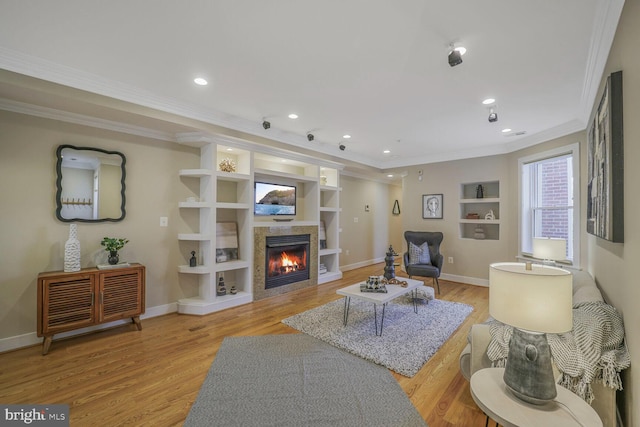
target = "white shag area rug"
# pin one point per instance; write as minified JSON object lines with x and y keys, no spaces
{"x":408,"y":339}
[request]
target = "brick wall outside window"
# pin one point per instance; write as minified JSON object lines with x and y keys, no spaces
{"x":555,"y":192}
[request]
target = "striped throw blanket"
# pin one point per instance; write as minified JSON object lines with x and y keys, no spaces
{"x":594,"y":350}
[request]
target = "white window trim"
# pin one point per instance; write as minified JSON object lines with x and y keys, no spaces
{"x":574,"y":150}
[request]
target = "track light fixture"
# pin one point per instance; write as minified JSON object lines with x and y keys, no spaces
{"x":266,"y":124}
{"x":455,"y":56}
{"x":310,"y":137}
{"x":493,"y":116}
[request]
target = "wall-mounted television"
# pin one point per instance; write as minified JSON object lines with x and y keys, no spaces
{"x":274,"y":199}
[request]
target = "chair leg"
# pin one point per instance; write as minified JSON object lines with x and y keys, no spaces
{"x":438,"y":284}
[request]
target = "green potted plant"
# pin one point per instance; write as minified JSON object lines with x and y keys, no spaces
{"x":113,"y":245}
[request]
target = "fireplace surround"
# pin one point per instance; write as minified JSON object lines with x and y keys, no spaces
{"x":286,"y":259}
{"x":260,"y":263}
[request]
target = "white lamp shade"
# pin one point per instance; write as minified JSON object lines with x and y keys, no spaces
{"x":538,"y":300}
{"x":548,"y":248}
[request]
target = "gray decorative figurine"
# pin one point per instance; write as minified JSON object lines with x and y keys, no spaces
{"x":192,"y":260}
{"x":389,"y":268}
{"x":222,"y":290}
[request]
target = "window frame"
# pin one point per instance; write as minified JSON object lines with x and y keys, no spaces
{"x":574,"y":151}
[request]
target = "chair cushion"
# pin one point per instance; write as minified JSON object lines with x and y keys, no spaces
{"x":419,"y":254}
{"x":424,"y":270}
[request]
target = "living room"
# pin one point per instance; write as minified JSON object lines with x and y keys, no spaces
{"x":33,"y":239}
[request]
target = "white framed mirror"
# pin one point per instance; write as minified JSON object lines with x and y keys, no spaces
{"x":90,"y":184}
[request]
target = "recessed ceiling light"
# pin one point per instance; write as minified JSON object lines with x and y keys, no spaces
{"x":506,"y":130}
{"x":229,"y":149}
{"x":200,"y":81}
{"x":488,"y":101}
{"x":389,"y":176}
{"x":293,"y":116}
{"x":386,"y":151}
{"x":347,"y":136}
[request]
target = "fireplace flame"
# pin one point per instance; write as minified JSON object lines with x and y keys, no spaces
{"x":286,"y":263}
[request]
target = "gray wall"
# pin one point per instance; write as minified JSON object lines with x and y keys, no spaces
{"x":32,"y":239}
{"x":614,"y":264}
{"x":367,"y":240}
{"x":471,"y":258}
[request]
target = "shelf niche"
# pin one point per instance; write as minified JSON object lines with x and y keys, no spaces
{"x":479,"y":228}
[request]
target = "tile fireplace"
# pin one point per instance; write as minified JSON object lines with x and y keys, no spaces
{"x":285,"y":259}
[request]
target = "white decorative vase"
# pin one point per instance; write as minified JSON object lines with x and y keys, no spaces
{"x":72,"y":250}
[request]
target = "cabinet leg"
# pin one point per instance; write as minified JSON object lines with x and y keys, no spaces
{"x":136,"y":320}
{"x":46,"y":343}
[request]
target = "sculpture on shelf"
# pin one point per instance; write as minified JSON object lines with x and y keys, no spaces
{"x":192,"y":260}
{"x":479,"y":192}
{"x":490,"y":215}
{"x":233,"y":290}
{"x":221,"y":290}
{"x":389,"y":268}
{"x":227,"y":165}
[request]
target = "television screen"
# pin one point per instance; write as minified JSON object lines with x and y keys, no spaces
{"x":274,"y":199}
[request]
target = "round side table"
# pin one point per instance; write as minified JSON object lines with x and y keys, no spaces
{"x":492,"y":396}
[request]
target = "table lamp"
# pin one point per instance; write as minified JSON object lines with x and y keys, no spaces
{"x":549,"y":250}
{"x":535,"y":300}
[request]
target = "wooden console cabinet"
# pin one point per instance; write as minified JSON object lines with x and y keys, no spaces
{"x":68,"y":301}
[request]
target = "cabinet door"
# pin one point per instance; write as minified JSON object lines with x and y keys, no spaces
{"x":121,"y":294}
{"x":67,"y":303}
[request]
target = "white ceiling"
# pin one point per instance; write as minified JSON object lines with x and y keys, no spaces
{"x":374,"y":69}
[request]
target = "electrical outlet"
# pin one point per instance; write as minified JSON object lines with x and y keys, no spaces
{"x":346,"y":252}
{"x":450,"y":260}
{"x":164,"y":221}
{"x":355,"y":219}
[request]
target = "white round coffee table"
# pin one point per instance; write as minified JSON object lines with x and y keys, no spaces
{"x":492,"y":396}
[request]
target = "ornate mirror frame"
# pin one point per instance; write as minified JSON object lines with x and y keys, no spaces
{"x":88,"y":203}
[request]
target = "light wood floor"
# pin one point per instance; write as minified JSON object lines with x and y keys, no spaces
{"x":151,"y":377}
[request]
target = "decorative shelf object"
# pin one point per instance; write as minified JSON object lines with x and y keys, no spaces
{"x":474,"y":210}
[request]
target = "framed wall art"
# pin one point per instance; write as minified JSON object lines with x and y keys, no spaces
{"x":432,"y":206}
{"x":605,"y":163}
{"x":226,"y":241}
{"x":396,"y":208}
{"x":322,"y":236}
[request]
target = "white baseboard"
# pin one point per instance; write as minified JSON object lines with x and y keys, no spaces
{"x":29,"y":339}
{"x":465,"y":279}
{"x":444,"y":276}
{"x":361,"y":264}
{"x":32,"y":338}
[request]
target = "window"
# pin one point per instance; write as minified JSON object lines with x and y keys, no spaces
{"x":548,"y":194}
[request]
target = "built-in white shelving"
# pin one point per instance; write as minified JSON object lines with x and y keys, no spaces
{"x":228,"y":197}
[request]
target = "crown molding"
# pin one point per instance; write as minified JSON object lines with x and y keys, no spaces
{"x":81,"y":119}
{"x":605,"y":24}
{"x":199,"y":139}
{"x":496,"y":149}
{"x":60,"y":74}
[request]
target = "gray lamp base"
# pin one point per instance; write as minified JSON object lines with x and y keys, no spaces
{"x":528,"y":373}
